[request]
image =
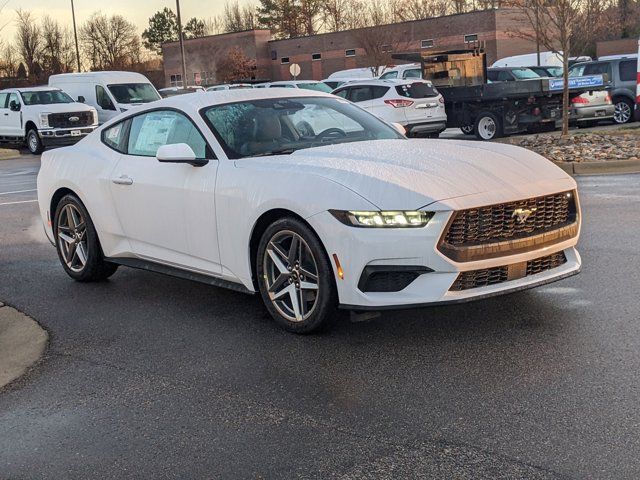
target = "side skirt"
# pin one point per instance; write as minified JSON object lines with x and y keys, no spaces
{"x":179,"y":273}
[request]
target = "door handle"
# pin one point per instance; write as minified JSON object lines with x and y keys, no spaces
{"x":123,"y":180}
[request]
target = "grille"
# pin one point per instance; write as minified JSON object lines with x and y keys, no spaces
{"x":496,"y":223}
{"x":495,"y":275}
{"x":61,"y":120}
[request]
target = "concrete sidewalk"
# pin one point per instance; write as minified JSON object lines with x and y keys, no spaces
{"x":22,"y":342}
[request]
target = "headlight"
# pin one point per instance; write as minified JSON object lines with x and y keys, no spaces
{"x":385,"y":219}
{"x":44,"y":120}
{"x":95,"y":116}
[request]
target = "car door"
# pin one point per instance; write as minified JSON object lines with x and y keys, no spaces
{"x":627,"y":72}
{"x":104,"y":105}
{"x":167,"y":210}
{"x":4,"y":114}
{"x":13,"y":118}
{"x":361,"y":95}
{"x":378,"y":107}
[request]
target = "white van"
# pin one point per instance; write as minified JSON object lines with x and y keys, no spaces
{"x":109,"y":92}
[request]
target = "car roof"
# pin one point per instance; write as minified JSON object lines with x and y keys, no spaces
{"x":198,"y":100}
{"x":106,"y":76}
{"x":293,"y":82}
{"x":43,"y":88}
{"x":385,"y":82}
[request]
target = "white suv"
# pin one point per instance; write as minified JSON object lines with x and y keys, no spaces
{"x":43,"y":116}
{"x":414,"y":104}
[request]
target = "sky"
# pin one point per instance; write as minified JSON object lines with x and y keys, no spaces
{"x":137,"y":11}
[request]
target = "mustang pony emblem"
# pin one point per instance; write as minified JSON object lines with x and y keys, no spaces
{"x":522,"y":214}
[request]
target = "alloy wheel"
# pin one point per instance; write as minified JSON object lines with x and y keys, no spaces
{"x":33,"y":142}
{"x":291,"y":276}
{"x":72,"y":237}
{"x":622,"y":112}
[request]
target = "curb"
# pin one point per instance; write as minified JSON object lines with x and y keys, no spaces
{"x":6,"y":153}
{"x":600,"y":168}
{"x":22,"y":343}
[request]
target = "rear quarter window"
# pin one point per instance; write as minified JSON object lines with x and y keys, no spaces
{"x":627,"y":70}
{"x":115,"y":137}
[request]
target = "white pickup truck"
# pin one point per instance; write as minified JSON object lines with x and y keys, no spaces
{"x":43,"y":116}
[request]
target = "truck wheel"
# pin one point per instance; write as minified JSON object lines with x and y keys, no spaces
{"x":624,"y":110}
{"x":467,"y":129}
{"x":487,"y":126}
{"x":34,"y":144}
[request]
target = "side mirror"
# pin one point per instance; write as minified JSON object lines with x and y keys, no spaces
{"x":399,"y":128}
{"x":14,"y":106}
{"x":179,"y":153}
{"x":81,"y":99}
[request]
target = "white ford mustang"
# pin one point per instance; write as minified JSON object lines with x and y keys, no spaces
{"x":308,"y":200}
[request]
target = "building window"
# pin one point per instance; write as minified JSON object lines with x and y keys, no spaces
{"x":386,"y":48}
{"x":284,"y":60}
{"x":176,"y":80}
{"x":350,"y":53}
{"x":426,"y":43}
{"x":471,"y":38}
{"x":274,"y":55}
{"x":316,"y":56}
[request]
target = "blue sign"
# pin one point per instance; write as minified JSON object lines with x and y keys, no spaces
{"x":577,"y":82}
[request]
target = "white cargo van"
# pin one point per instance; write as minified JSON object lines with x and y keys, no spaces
{"x":109,"y":92}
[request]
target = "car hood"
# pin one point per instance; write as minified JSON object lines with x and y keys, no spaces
{"x":61,"y":107}
{"x":407,"y":174}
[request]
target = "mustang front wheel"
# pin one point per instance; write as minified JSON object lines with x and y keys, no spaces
{"x":77,"y":242}
{"x":295,"y":277}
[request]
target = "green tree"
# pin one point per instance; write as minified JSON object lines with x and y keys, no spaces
{"x":194,"y":28}
{"x":163,"y":27}
{"x":282,"y":16}
{"x":22,"y":71}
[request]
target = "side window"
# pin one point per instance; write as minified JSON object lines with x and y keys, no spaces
{"x":13,"y":97}
{"x":342,"y":93}
{"x":378,"y":91}
{"x":360,"y":94}
{"x":102,"y":99}
{"x":413,"y":73}
{"x":152,"y":130}
{"x":598,"y":69}
{"x":505,"y":76}
{"x":116,"y":135}
{"x":492,"y":75}
{"x":3,"y":100}
{"x":387,"y":75}
{"x":627,"y":71}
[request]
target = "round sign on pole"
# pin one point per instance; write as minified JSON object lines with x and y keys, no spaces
{"x":295,"y":70}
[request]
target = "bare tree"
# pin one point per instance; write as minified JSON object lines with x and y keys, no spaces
{"x":110,"y":42}
{"x":57,"y":47}
{"x":236,"y":17}
{"x":378,"y":44}
{"x":28,"y":40}
{"x":9,"y":62}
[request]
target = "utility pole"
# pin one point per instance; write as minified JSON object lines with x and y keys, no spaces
{"x":75,"y":34}
{"x":184,"y":62}
{"x":538,"y":33}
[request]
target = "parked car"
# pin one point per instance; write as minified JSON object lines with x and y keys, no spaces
{"x":108,"y":92}
{"x":313,"y":85}
{"x":360,"y":220}
{"x":622,"y":73}
{"x":335,"y":83}
{"x":410,"y":70}
{"x":414,"y":104}
{"x":548,"y":71}
{"x":171,"y":91}
{"x":229,"y":86}
{"x":510,"y":74}
{"x":524,"y":60}
{"x":590,"y":108}
{"x":43,"y":116}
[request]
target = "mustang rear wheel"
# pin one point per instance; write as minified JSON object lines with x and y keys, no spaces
{"x":295,"y":277}
{"x":77,"y":242}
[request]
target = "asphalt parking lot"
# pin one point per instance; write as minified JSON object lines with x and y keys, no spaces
{"x":153,"y":377}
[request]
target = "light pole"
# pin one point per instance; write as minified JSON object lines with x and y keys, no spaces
{"x":184,"y":63}
{"x":75,"y":34}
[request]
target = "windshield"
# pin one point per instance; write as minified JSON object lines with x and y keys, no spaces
{"x":133,"y":92}
{"x":318,"y":87}
{"x":577,"y":70}
{"x":524,"y":73}
{"x":46,"y":97}
{"x":416,"y":90}
{"x":283,"y":125}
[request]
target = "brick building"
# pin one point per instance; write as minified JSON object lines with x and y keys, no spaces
{"x":320,"y":55}
{"x":624,"y":46}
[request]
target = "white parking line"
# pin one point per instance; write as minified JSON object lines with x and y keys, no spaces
{"x":15,"y":203}
{"x":17,"y":191}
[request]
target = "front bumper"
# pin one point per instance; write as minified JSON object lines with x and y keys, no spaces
{"x":64,"y":136}
{"x":358,"y":249}
{"x":592,"y":113}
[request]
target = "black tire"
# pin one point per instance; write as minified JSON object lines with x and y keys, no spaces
{"x":324,"y":309}
{"x":467,"y":129}
{"x":482,"y":128}
{"x":624,"y":110}
{"x":34,"y":144}
{"x":95,"y":268}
